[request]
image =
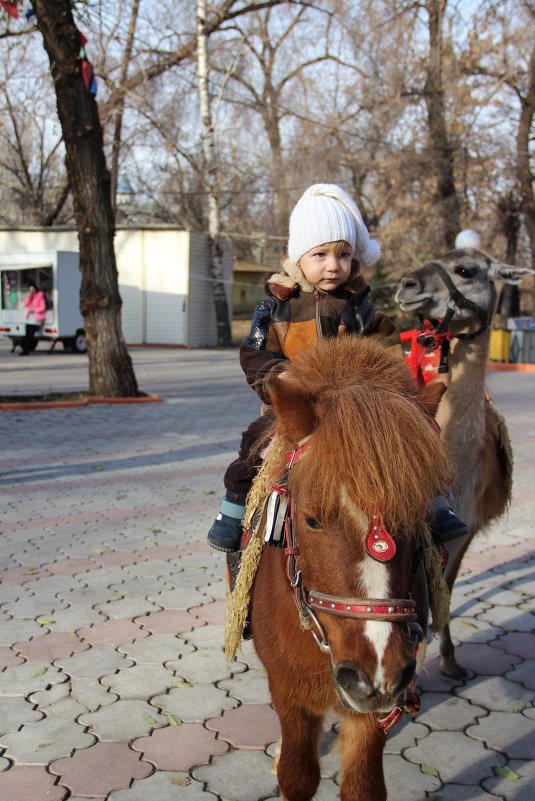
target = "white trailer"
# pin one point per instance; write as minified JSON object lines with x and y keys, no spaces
{"x":164,"y":278}
{"x":57,"y":273}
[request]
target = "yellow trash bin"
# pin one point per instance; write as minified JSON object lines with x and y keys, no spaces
{"x":500,"y":342}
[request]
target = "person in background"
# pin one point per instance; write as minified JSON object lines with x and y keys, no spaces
{"x":35,"y":304}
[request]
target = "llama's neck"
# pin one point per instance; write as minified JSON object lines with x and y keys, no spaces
{"x":462,"y":409}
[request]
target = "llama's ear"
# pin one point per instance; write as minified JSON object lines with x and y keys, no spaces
{"x":508,"y":273}
{"x":431,"y":395}
{"x":294,"y":410}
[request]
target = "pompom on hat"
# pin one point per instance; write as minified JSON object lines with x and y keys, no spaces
{"x":468,"y":239}
{"x":326,"y":213}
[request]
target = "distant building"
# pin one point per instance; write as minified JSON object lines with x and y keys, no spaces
{"x":249,"y":286}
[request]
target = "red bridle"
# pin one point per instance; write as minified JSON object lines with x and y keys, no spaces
{"x":392,"y":610}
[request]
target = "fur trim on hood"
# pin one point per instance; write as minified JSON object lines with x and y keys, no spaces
{"x":287,"y":283}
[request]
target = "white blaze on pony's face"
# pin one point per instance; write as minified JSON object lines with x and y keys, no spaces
{"x":375,"y":580}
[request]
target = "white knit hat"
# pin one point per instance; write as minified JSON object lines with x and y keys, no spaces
{"x":468,"y":239}
{"x":326,"y":213}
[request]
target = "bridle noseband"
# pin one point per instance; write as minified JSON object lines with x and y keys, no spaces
{"x":458,"y":301}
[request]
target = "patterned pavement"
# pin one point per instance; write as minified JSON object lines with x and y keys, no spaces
{"x":113,"y":683}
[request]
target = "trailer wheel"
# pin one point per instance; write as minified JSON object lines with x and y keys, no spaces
{"x":78,"y":342}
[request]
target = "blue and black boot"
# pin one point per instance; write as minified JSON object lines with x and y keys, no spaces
{"x":226,"y":531}
{"x":444,"y":523}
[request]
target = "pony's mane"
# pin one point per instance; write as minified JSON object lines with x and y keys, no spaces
{"x":371,"y":432}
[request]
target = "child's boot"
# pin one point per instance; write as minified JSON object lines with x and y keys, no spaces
{"x":226,"y":531}
{"x":444,"y":523}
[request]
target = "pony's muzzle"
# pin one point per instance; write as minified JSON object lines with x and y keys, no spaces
{"x":358,"y":691}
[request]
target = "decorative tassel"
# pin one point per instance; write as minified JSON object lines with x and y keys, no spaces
{"x":10,"y":8}
{"x":87,"y":73}
{"x":88,"y":76}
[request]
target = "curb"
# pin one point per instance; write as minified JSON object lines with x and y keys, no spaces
{"x":521,"y":367}
{"x":77,"y":403}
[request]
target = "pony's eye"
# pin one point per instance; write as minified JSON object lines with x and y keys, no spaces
{"x":312,"y":523}
{"x":466,"y":272}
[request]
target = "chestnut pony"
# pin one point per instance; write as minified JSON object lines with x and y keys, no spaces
{"x":372,"y":457}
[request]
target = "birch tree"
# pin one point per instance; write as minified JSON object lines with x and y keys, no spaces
{"x":210,"y":179}
{"x":119,"y":109}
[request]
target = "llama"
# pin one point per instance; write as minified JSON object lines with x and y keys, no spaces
{"x":459,"y":290}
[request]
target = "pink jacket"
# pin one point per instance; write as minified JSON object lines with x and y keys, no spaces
{"x":37,"y":304}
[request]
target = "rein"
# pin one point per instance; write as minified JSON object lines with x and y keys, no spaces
{"x":441,"y":336}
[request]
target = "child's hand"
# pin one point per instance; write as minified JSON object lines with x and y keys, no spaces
{"x":278,"y":371}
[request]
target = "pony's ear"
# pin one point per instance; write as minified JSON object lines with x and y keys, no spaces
{"x":508,"y":273}
{"x":430,"y":396}
{"x":294,"y":410}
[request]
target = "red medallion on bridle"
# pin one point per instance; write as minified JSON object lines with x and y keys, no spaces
{"x":379,"y":543}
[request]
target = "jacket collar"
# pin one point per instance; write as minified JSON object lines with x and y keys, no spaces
{"x":291,"y":281}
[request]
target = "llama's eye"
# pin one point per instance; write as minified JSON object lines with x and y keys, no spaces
{"x":312,"y":523}
{"x":466,"y":272}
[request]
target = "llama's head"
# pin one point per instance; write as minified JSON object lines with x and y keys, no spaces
{"x":441,"y":285}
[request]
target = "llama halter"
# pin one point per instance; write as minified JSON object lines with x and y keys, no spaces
{"x":440,"y":336}
{"x":457,"y":301}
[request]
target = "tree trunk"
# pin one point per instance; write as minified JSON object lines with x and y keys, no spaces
{"x":110,"y":368}
{"x":278,"y":169}
{"x":525,"y":175}
{"x":119,"y":111}
{"x":442,"y":149}
{"x":210,"y":182}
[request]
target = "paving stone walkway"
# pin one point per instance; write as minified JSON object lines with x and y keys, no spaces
{"x":113,"y":683}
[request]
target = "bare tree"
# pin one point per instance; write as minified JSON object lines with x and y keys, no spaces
{"x":31,"y":147}
{"x":507,"y":65}
{"x":523,"y":152}
{"x":110,"y":368}
{"x":379,"y":98}
{"x":432,"y":92}
{"x":210,"y":180}
{"x":271,"y":43}
{"x":449,"y":206}
{"x":119,"y":110}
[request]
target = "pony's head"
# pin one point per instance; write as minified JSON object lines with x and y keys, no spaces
{"x":372,"y":450}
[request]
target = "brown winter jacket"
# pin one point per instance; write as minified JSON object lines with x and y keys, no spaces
{"x":296,"y":315}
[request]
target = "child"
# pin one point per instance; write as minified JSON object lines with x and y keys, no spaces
{"x":319,"y":294}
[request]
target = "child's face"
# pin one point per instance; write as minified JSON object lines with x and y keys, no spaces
{"x":327,"y":266}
